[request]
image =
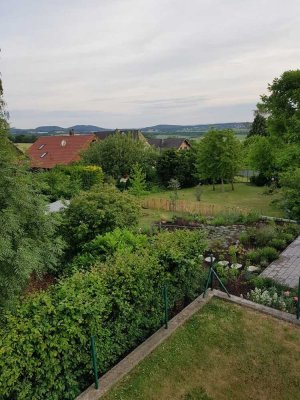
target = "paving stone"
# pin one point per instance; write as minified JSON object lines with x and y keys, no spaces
{"x":286,"y":270}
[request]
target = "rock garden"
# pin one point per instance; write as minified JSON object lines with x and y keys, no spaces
{"x":241,"y":247}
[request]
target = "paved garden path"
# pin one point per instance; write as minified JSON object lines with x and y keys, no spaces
{"x":286,"y":270}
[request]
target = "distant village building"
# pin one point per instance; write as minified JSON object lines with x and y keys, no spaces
{"x":169,"y":143}
{"x":49,"y":151}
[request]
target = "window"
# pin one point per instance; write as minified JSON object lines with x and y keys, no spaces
{"x":41,"y":146}
{"x":43,"y":155}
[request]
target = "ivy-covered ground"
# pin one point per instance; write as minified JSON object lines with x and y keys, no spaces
{"x":224,"y":352}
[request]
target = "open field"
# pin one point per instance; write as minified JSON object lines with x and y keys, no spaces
{"x":23,"y":146}
{"x":224,"y":352}
{"x":244,"y":196}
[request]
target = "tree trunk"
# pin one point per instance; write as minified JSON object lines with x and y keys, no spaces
{"x":214,"y":188}
{"x":222,"y":185}
{"x":232,"y":187}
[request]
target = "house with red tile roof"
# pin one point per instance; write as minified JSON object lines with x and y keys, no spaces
{"x":49,"y":151}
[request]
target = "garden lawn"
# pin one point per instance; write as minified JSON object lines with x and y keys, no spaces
{"x":244,"y":196}
{"x":224,"y":352}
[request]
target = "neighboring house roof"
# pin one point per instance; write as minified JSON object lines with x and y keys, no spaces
{"x":103,"y":134}
{"x":49,"y":151}
{"x":169,"y":143}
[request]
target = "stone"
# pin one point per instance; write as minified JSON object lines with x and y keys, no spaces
{"x":236,"y":266}
{"x":223,"y":263}
{"x":253,"y":268}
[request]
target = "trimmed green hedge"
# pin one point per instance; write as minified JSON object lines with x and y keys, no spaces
{"x":44,"y":344}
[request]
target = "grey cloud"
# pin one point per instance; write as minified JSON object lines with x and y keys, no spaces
{"x":143,"y":62}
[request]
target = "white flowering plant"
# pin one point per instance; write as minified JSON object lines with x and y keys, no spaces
{"x":271,"y":297}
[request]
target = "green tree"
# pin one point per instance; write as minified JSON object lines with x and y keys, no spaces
{"x":290,"y":182}
{"x":96,"y":212}
{"x":28,"y":236}
{"x":118,"y":154}
{"x":174,"y":164}
{"x":261,"y":156}
{"x":283,"y":106}
{"x":138,"y":181}
{"x":259,"y":125}
{"x":218,"y":157}
{"x":174,"y":186}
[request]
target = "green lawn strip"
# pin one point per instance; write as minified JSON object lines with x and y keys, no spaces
{"x":223,"y":352}
{"x":244,"y":196}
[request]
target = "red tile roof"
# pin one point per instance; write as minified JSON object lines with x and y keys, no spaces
{"x":49,"y":151}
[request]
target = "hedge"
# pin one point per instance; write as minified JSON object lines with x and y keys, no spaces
{"x":44,"y":343}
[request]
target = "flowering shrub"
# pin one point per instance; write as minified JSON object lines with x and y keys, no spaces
{"x":272,"y":298}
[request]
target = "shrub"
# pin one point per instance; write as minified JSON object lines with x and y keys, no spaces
{"x":96,"y":212}
{"x":66,"y":181}
{"x":181,"y":254}
{"x":44,"y":344}
{"x":102,"y":247}
{"x":278,"y":244}
{"x":264,"y":235}
{"x":232,"y":218}
{"x":245,"y":238}
{"x":263,"y":255}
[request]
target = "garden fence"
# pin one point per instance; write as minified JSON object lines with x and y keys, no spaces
{"x":192,"y":207}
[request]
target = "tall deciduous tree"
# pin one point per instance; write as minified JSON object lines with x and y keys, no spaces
{"x":118,"y":153}
{"x":177,"y":164}
{"x":28,"y":241}
{"x":218,"y":157}
{"x":261,"y":156}
{"x":283,"y":106}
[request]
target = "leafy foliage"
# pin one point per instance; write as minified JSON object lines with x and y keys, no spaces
{"x":66,"y":181}
{"x":118,"y":154}
{"x":44,"y":344}
{"x":261,"y":156}
{"x":259,"y":126}
{"x":173,"y":164}
{"x":28,"y":236}
{"x":138,"y":181}
{"x":105,"y":246}
{"x":283,"y":106}
{"x":96,"y":212}
{"x":218,"y":156}
{"x":290,"y":182}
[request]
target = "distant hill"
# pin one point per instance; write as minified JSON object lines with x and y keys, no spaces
{"x":173,"y":129}
{"x":55,"y":130}
{"x":241,"y":128}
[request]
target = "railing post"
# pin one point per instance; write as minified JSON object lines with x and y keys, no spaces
{"x":298,"y":301}
{"x":166,"y":316}
{"x":94,"y":360}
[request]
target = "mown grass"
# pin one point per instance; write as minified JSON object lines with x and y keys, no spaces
{"x":223,"y":352}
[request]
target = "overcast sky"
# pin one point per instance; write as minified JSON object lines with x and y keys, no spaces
{"x":135,"y":63}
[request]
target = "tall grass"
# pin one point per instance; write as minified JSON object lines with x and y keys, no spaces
{"x":190,"y":207}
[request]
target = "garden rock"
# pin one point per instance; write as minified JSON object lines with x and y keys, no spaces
{"x":223,"y":263}
{"x":236,"y":266}
{"x":253,"y":268}
{"x":208,"y":259}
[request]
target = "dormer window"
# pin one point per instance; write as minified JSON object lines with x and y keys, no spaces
{"x":41,"y":146}
{"x":43,"y":155}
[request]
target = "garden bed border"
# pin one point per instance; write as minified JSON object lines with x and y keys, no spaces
{"x":114,"y":375}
